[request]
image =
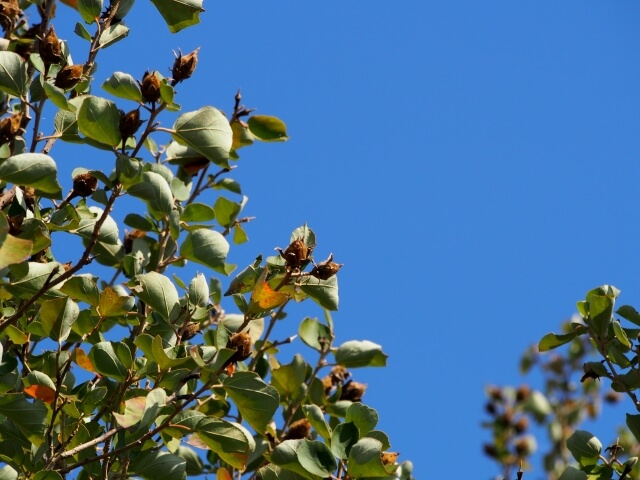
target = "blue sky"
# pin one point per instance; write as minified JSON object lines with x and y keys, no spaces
{"x":473,"y":164}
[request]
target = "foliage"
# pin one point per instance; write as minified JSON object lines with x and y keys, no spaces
{"x":150,"y":377}
{"x":599,"y":345}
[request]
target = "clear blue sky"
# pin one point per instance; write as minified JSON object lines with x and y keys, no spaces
{"x":473,"y":164}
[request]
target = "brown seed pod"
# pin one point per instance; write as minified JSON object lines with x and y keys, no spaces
{"x":521,"y":425}
{"x":327,"y":269}
{"x":241,"y":342}
{"x":9,"y":13}
{"x":296,"y":253}
{"x":353,"y":391}
{"x":298,"y":430}
{"x":50,"y":47}
{"x":490,"y":450}
{"x":129,"y":123}
{"x":183,"y":66}
{"x":522,"y":393}
{"x":69,"y":76}
{"x":84,"y":185}
{"x":10,"y":127}
{"x":150,"y":87}
{"x":389,"y":458}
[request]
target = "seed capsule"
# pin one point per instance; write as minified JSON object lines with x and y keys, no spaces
{"x":327,"y":269}
{"x":50,"y":48}
{"x":10,"y":127}
{"x":84,"y":185}
{"x":129,"y":123}
{"x":353,"y":391}
{"x":183,"y":66}
{"x":241,"y":342}
{"x":150,"y":87}
{"x":298,"y":430}
{"x":296,"y":253}
{"x":69,"y":76}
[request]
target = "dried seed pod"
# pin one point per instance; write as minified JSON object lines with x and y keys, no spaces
{"x":298,"y":430}
{"x":353,"y":391}
{"x":129,"y":123}
{"x":190,"y":330}
{"x":241,"y":342}
{"x":150,"y":87}
{"x":50,"y":47}
{"x":69,"y":76}
{"x":521,"y":425}
{"x":10,"y":12}
{"x":183,"y":66}
{"x":327,"y":269}
{"x":612,"y":397}
{"x":522,"y":393}
{"x":389,"y":458}
{"x":296,"y":253}
{"x":84,"y":185}
{"x":10,"y":127}
{"x":490,"y":450}
{"x":338,"y":375}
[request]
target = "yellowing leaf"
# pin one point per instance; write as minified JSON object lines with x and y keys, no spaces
{"x":42,"y":392}
{"x":223,"y":474}
{"x":264,"y":297}
{"x":81,"y":358}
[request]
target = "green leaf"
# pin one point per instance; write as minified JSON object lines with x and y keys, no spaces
{"x":134,"y":220}
{"x":32,"y":170}
{"x":239,"y":235}
{"x":228,"y":184}
{"x":154,"y":190}
{"x":57,"y":96}
{"x":553,"y":340}
{"x":66,"y":125}
{"x":572,"y":473}
{"x":30,"y":418}
{"x":305,"y":457}
{"x":305,"y":234}
{"x":227,"y":211}
{"x":111,"y":359}
{"x":47,"y":475}
{"x":113,"y":34}
{"x":363,"y":417}
{"x":179,"y":14}
{"x":268,"y":129}
{"x":246,"y":279}
{"x":601,"y":301}
{"x":363,"y":353}
{"x":344,"y":436}
{"x":165,"y":358}
{"x":584,"y":447}
{"x":198,"y":293}
{"x":99,"y":119}
{"x":123,"y":85}
{"x":256,"y":401}
{"x":16,"y":335}
{"x":629,"y":313}
{"x":620,"y":334}
{"x":315,"y":334}
{"x":316,"y":418}
{"x":324,"y":292}
{"x":158,"y":465}
{"x":82,"y":288}
{"x":207,"y":131}
{"x":274,"y":472}
{"x":108,"y":233}
{"x":27,"y":278}
{"x":14,"y":79}
{"x":232,"y":442}
{"x":206,"y":247}
{"x":57,"y":316}
{"x":90,"y":10}
{"x":111,"y":304}
{"x":289,"y":379}
{"x":12,"y":249}
{"x":538,"y":405}
{"x":633,"y":422}
{"x":197,"y":212}
{"x":157,"y":291}
{"x":365,"y":460}
{"x":82,"y":31}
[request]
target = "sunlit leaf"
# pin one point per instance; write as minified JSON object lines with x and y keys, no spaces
{"x":363,"y":353}
{"x":12,"y":249}
{"x":207,"y":131}
{"x":32,"y":170}
{"x":179,"y":14}
{"x":257,"y":402}
{"x":157,"y":291}
{"x":268,"y":129}
{"x":123,"y":85}
{"x":13,"y":74}
{"x":99,"y":119}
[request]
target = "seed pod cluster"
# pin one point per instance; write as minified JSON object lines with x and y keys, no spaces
{"x":184,"y":66}
{"x":69,"y":76}
{"x":150,"y":87}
